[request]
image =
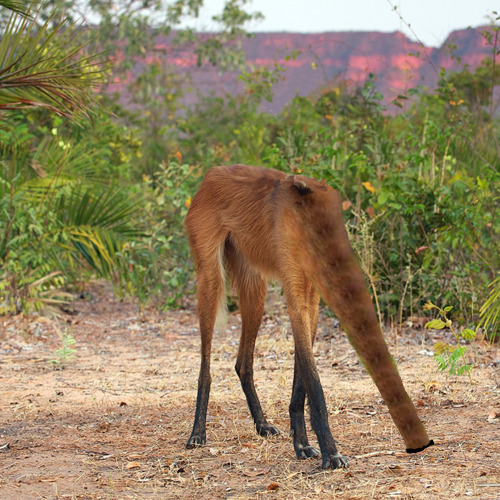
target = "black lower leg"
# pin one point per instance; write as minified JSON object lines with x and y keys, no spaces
{"x":332,"y":459}
{"x":247,"y":383}
{"x":297,"y":422}
{"x":198,"y":435}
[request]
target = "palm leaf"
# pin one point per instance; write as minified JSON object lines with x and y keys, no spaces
{"x":19,"y":7}
{"x":40,"y":175}
{"x":39,"y":66}
{"x":53,"y":167}
{"x":97,"y":246}
{"x":72,"y":160}
{"x":108,"y":209}
{"x":490,"y":311}
{"x":95,"y":227}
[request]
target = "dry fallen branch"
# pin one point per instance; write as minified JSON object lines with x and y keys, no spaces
{"x":375,"y":454}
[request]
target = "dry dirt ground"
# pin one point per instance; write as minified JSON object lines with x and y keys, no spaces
{"x":112,"y":424}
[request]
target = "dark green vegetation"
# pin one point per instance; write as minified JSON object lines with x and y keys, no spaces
{"x":87,"y":193}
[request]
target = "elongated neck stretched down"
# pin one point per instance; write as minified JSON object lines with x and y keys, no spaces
{"x":318,"y":239}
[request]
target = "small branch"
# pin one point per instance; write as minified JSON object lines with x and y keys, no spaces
{"x":375,"y":454}
{"x":407,"y":24}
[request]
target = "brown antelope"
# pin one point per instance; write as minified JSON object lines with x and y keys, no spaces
{"x":248,"y":224}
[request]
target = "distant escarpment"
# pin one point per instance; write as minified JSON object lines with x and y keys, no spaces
{"x":324,"y":59}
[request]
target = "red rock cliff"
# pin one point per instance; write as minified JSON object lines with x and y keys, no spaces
{"x":397,"y":62}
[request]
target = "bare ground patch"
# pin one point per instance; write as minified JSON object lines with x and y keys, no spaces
{"x":113,"y":423}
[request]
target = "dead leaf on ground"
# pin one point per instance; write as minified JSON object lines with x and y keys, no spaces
{"x":133,"y":465}
{"x":256,"y":472}
{"x":494,"y":414}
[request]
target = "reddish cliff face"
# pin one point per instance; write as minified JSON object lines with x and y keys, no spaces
{"x":350,"y":56}
{"x":324,"y":59}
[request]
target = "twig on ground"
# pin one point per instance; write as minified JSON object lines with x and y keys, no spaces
{"x":376,"y":453}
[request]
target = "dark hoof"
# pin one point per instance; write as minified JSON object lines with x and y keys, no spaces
{"x":417,"y":450}
{"x":195,"y":440}
{"x":307,"y":451}
{"x":268,"y":430}
{"x":335,"y":462}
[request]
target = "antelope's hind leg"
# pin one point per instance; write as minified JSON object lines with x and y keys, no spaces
{"x":211,"y":291}
{"x":252,"y":292}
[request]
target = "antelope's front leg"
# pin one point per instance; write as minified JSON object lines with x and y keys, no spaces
{"x":307,"y":378}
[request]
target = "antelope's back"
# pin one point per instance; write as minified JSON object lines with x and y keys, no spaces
{"x":235,"y":196}
{"x":244,"y":204}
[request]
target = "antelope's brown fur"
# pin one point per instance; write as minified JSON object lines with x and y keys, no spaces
{"x":248,"y":224}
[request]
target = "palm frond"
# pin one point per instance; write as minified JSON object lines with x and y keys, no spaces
{"x":38,"y":189}
{"x":39,"y":66}
{"x":109,"y":209}
{"x":95,"y":227}
{"x":490,"y":311}
{"x":41,"y":173}
{"x":97,"y":246}
{"x":19,"y":7}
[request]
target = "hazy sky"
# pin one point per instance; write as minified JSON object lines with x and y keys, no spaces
{"x":431,"y":20}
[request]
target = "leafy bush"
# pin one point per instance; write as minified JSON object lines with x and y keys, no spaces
{"x":158,"y":264}
{"x":59,"y":219}
{"x":420,"y":186}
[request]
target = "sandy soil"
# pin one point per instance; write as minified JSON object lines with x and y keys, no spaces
{"x":113,"y":423}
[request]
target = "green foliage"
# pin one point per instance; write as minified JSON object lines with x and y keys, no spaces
{"x":73,"y":202}
{"x":19,"y":7}
{"x":66,"y":353}
{"x":224,"y":49}
{"x":420,"y":186}
{"x":59,"y":219}
{"x":450,"y":358}
{"x":158,"y":264}
{"x":259,"y":80}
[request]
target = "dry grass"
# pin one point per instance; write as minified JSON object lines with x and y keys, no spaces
{"x":113,"y":423}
